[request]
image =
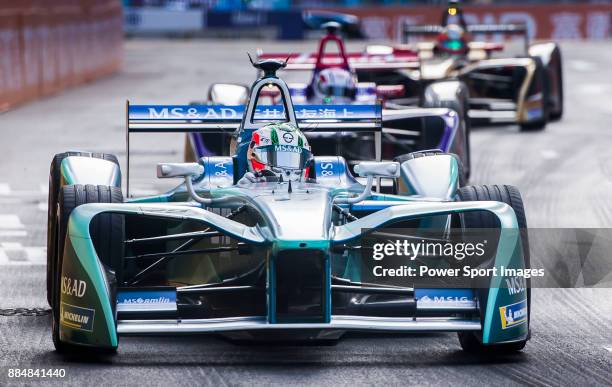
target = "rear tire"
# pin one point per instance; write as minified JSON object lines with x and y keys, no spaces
{"x":556,"y":115}
{"x":458,"y":100}
{"x":190,"y":156}
{"x":470,"y":341}
{"x":533,"y":126}
{"x":107,"y":232}
{"x":54,"y":185}
{"x":540,"y":74}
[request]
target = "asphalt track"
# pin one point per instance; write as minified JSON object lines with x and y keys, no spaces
{"x":563,"y":172}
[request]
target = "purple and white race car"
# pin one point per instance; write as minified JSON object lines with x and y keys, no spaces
{"x":437,"y":126}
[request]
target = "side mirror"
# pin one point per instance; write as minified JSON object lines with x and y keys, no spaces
{"x":170,"y":170}
{"x":371,"y":170}
{"x":377,"y":169}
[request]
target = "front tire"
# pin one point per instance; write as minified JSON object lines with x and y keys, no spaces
{"x":54,"y":187}
{"x":107,"y":232}
{"x":470,"y":341}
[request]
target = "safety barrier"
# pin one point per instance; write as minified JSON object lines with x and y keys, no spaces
{"x":50,"y":45}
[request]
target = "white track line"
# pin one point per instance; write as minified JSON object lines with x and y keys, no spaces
{"x":5,"y":189}
{"x":10,"y":222}
{"x":13,"y":254}
{"x":582,"y":65}
{"x":549,"y":154}
{"x":13,"y":233}
{"x":4,"y":259}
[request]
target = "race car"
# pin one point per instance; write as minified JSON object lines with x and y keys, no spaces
{"x":236,"y":252}
{"x":525,"y":89}
{"x":350,"y":25}
{"x":333,"y":81}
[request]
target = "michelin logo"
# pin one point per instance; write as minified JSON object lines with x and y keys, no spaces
{"x":513,"y":315}
{"x":76,"y":317}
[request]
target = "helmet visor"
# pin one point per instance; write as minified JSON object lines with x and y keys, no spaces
{"x":453,"y":45}
{"x":283,"y":156}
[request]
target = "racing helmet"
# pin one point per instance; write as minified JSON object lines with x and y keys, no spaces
{"x":334,"y":85}
{"x":280,"y":148}
{"x":453,"y":40}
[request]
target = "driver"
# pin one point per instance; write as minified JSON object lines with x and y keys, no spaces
{"x":277,"y":152}
{"x":453,"y":40}
{"x":334,"y":85}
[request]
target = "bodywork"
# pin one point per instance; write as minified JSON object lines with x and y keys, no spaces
{"x":261,"y":257}
{"x":109,"y":310}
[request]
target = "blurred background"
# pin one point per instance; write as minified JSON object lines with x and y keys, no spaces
{"x":49,"y":45}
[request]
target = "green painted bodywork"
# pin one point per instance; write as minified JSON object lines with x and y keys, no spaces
{"x":81,"y":261}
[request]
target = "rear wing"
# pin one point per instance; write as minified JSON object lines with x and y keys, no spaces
{"x":399,"y":59}
{"x":224,"y":119}
{"x":506,"y":29}
{"x":228,"y":119}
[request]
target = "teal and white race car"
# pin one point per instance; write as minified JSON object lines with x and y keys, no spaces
{"x":279,"y":256}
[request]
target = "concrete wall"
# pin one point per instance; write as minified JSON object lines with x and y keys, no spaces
{"x":49,"y":45}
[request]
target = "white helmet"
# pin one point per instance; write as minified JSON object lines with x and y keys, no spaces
{"x":280,"y":148}
{"x":334,"y":86}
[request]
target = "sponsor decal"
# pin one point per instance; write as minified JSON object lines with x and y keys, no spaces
{"x":287,"y":148}
{"x":178,"y":112}
{"x":445,"y":297}
{"x":327,"y":169}
{"x":288,"y":137}
{"x":140,"y":300}
{"x":534,"y":113}
{"x":513,"y":314}
{"x":77,"y":317}
{"x":73,"y":287}
{"x":515,"y":285}
{"x":235,"y":113}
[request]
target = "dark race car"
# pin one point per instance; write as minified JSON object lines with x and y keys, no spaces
{"x":526,"y":89}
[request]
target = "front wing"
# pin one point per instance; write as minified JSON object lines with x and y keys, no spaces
{"x":93,"y":310}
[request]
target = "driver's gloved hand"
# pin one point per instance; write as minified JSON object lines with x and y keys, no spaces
{"x":250,"y":178}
